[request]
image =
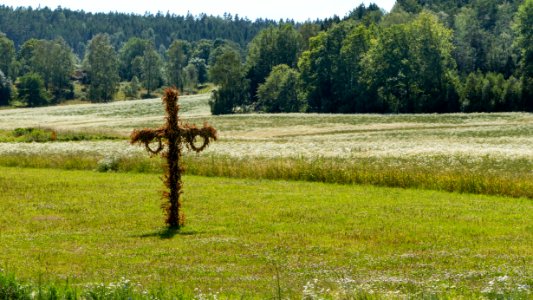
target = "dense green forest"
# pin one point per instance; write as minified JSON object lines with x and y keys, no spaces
{"x":424,"y":56}
{"x":78,"y":27}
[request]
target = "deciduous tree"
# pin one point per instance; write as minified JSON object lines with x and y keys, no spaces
{"x":6,"y":89}
{"x":321,"y":68}
{"x":7,"y":56}
{"x":280,"y":91}
{"x":470,"y":40}
{"x":353,"y":91}
{"x":53,"y":61}
{"x":228,"y":73}
{"x":31,"y":90}
{"x":410,"y":68}
{"x":271,"y":47}
{"x":101,"y":63}
{"x":201,"y":69}
{"x":177,"y":60}
{"x":133,"y":88}
{"x":524,"y":31}
{"x":151,"y":70}
{"x":132,"y":49}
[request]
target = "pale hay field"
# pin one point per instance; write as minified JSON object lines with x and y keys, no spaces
{"x":506,"y":136}
{"x":115,"y":117}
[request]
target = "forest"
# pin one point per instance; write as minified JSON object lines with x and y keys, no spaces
{"x":421,"y":57}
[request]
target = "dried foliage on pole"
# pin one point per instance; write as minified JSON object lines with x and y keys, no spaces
{"x":172,"y":136}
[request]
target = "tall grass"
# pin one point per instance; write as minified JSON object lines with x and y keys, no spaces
{"x":482,"y":176}
{"x":380,"y":172}
{"x":12,"y":288}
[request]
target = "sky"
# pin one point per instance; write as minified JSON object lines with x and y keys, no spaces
{"x":299,"y":10}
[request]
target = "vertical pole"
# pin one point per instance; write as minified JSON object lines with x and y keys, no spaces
{"x":173,"y":177}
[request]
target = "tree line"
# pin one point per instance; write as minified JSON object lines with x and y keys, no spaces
{"x":58,"y":52}
{"x":43,"y":72}
{"x":422,"y":57}
{"x":78,"y":27}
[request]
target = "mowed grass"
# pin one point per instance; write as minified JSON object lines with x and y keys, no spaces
{"x":265,"y":239}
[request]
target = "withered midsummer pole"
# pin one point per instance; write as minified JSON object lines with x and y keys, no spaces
{"x":173,"y":177}
{"x":174,"y":134}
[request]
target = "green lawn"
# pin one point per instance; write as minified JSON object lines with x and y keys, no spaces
{"x":249,"y":237}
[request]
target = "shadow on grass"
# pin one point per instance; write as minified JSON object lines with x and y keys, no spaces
{"x":168,"y":233}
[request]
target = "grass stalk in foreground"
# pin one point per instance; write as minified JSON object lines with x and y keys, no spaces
{"x":12,"y":288}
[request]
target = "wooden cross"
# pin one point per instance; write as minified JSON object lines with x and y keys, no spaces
{"x":173,"y":135}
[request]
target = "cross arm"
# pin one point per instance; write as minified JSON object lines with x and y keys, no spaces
{"x":190,"y":132}
{"x":147,"y":136}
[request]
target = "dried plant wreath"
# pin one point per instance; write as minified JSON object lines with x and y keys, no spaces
{"x":172,"y":136}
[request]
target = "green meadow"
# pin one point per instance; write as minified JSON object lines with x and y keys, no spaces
{"x":288,"y":206}
{"x":88,"y":233}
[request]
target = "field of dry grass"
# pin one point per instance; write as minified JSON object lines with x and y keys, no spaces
{"x":504,"y":136}
{"x":479,"y":153}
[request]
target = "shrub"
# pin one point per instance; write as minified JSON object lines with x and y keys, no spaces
{"x":34,"y":135}
{"x":31,"y":90}
{"x":108,"y":164}
{"x":10,"y":288}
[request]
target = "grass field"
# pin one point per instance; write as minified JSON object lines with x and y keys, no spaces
{"x":328,"y":226}
{"x":478,"y":153}
{"x":259,"y":238}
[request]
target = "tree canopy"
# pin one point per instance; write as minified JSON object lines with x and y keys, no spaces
{"x":280,"y":91}
{"x":7,"y":55}
{"x":78,"y":27}
{"x":271,"y":47}
{"x":423,"y":56}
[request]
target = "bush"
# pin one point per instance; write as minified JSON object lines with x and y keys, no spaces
{"x":132,"y":89}
{"x":35,"y":135}
{"x":31,"y":90}
{"x":108,"y":164}
{"x":491,"y":92}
